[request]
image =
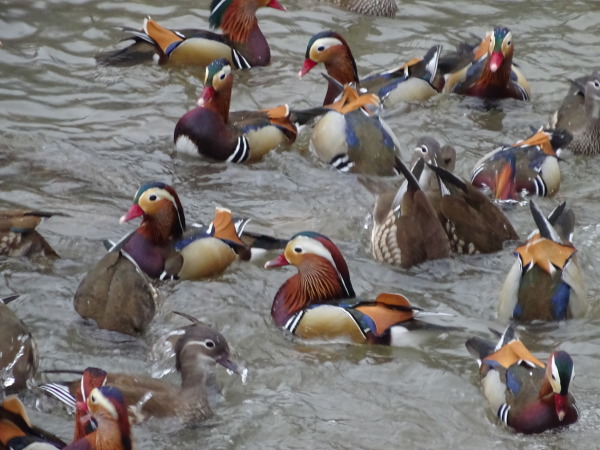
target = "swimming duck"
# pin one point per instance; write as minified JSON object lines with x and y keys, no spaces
{"x":319,"y":301}
{"x":17,"y":431}
{"x":387,"y":8}
{"x":409,"y":82}
{"x":19,"y":357}
{"x":241,"y":136}
{"x":406,"y":228}
{"x":197,"y":347}
{"x":490,"y":73}
{"x":18,"y":236}
{"x":545,"y":282}
{"x":242,"y":41}
{"x":525,"y":394}
{"x":107,"y":407}
{"x":529,"y":167}
{"x":472,"y":222}
{"x":580,"y":115}
{"x":353,"y":138}
{"x":164,"y":248}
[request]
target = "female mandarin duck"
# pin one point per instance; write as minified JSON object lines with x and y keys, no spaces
{"x":197,"y":347}
{"x":406,"y":229}
{"x":473,"y":223}
{"x":545,"y":283}
{"x":580,"y":115}
{"x":410,"y":82}
{"x":319,"y":301}
{"x":525,"y":394}
{"x":241,"y":136}
{"x":107,"y":407}
{"x":529,"y":167}
{"x":352,"y":138}
{"x":490,"y":73}
{"x":18,"y":236}
{"x":18,"y":351}
{"x":387,"y":8}
{"x":242,"y":42}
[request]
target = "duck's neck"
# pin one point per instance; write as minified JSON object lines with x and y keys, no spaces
{"x":241,"y":26}
{"x":110,"y":435}
{"x":161,"y":227}
{"x":342,"y":68}
{"x":501,"y":77}
{"x":313,"y":284}
{"x":219,"y":103}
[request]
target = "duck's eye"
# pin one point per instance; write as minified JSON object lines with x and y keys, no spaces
{"x":298,"y":250}
{"x":596,"y":84}
{"x":508,"y":44}
{"x":94,"y":399}
{"x":424,"y":149}
{"x":222,"y":76}
{"x":153,"y":198}
{"x":320,"y":48}
{"x":209,"y":343}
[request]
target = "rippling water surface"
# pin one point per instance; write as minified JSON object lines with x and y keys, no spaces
{"x":78,"y":138}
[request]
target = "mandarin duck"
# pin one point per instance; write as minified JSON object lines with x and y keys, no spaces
{"x":319,"y":301}
{"x":406,"y":229}
{"x":17,"y":431}
{"x":117,"y":295}
{"x":580,"y":115}
{"x":76,"y":393}
{"x":107,"y":407}
{"x":472,"y":222}
{"x":353,"y":138}
{"x":241,"y":136}
{"x":490,"y":73}
{"x":18,"y":236}
{"x":545,"y":282}
{"x":18,"y":351}
{"x":524,"y":393}
{"x":165,"y":248}
{"x":242,"y":42}
{"x":387,"y":8}
{"x":409,"y":82}
{"x":198,"y":347}
{"x":529,"y":167}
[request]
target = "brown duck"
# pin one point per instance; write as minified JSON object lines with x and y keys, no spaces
{"x":18,"y":236}
{"x":18,"y":350}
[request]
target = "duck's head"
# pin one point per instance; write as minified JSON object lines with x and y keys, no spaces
{"x":560,"y":372}
{"x":501,"y":47}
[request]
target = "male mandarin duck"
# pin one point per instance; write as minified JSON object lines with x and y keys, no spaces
{"x":473,"y":223}
{"x":525,"y":394}
{"x":410,"y":82}
{"x":580,"y":115}
{"x":406,"y":229}
{"x":490,"y":73}
{"x":242,"y":42}
{"x":241,"y":136}
{"x":18,"y":351}
{"x":164,"y":248}
{"x":107,"y":407}
{"x":197,"y":347}
{"x":319,"y":301}
{"x":529,"y":167}
{"x":116,"y":293}
{"x":17,"y":431}
{"x":18,"y":236}
{"x":545,"y":283}
{"x":387,"y":8}
{"x":352,"y":138}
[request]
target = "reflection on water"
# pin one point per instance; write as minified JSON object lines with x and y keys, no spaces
{"x":80,"y":139}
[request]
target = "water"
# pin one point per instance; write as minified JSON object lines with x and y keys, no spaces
{"x":78,"y":138}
